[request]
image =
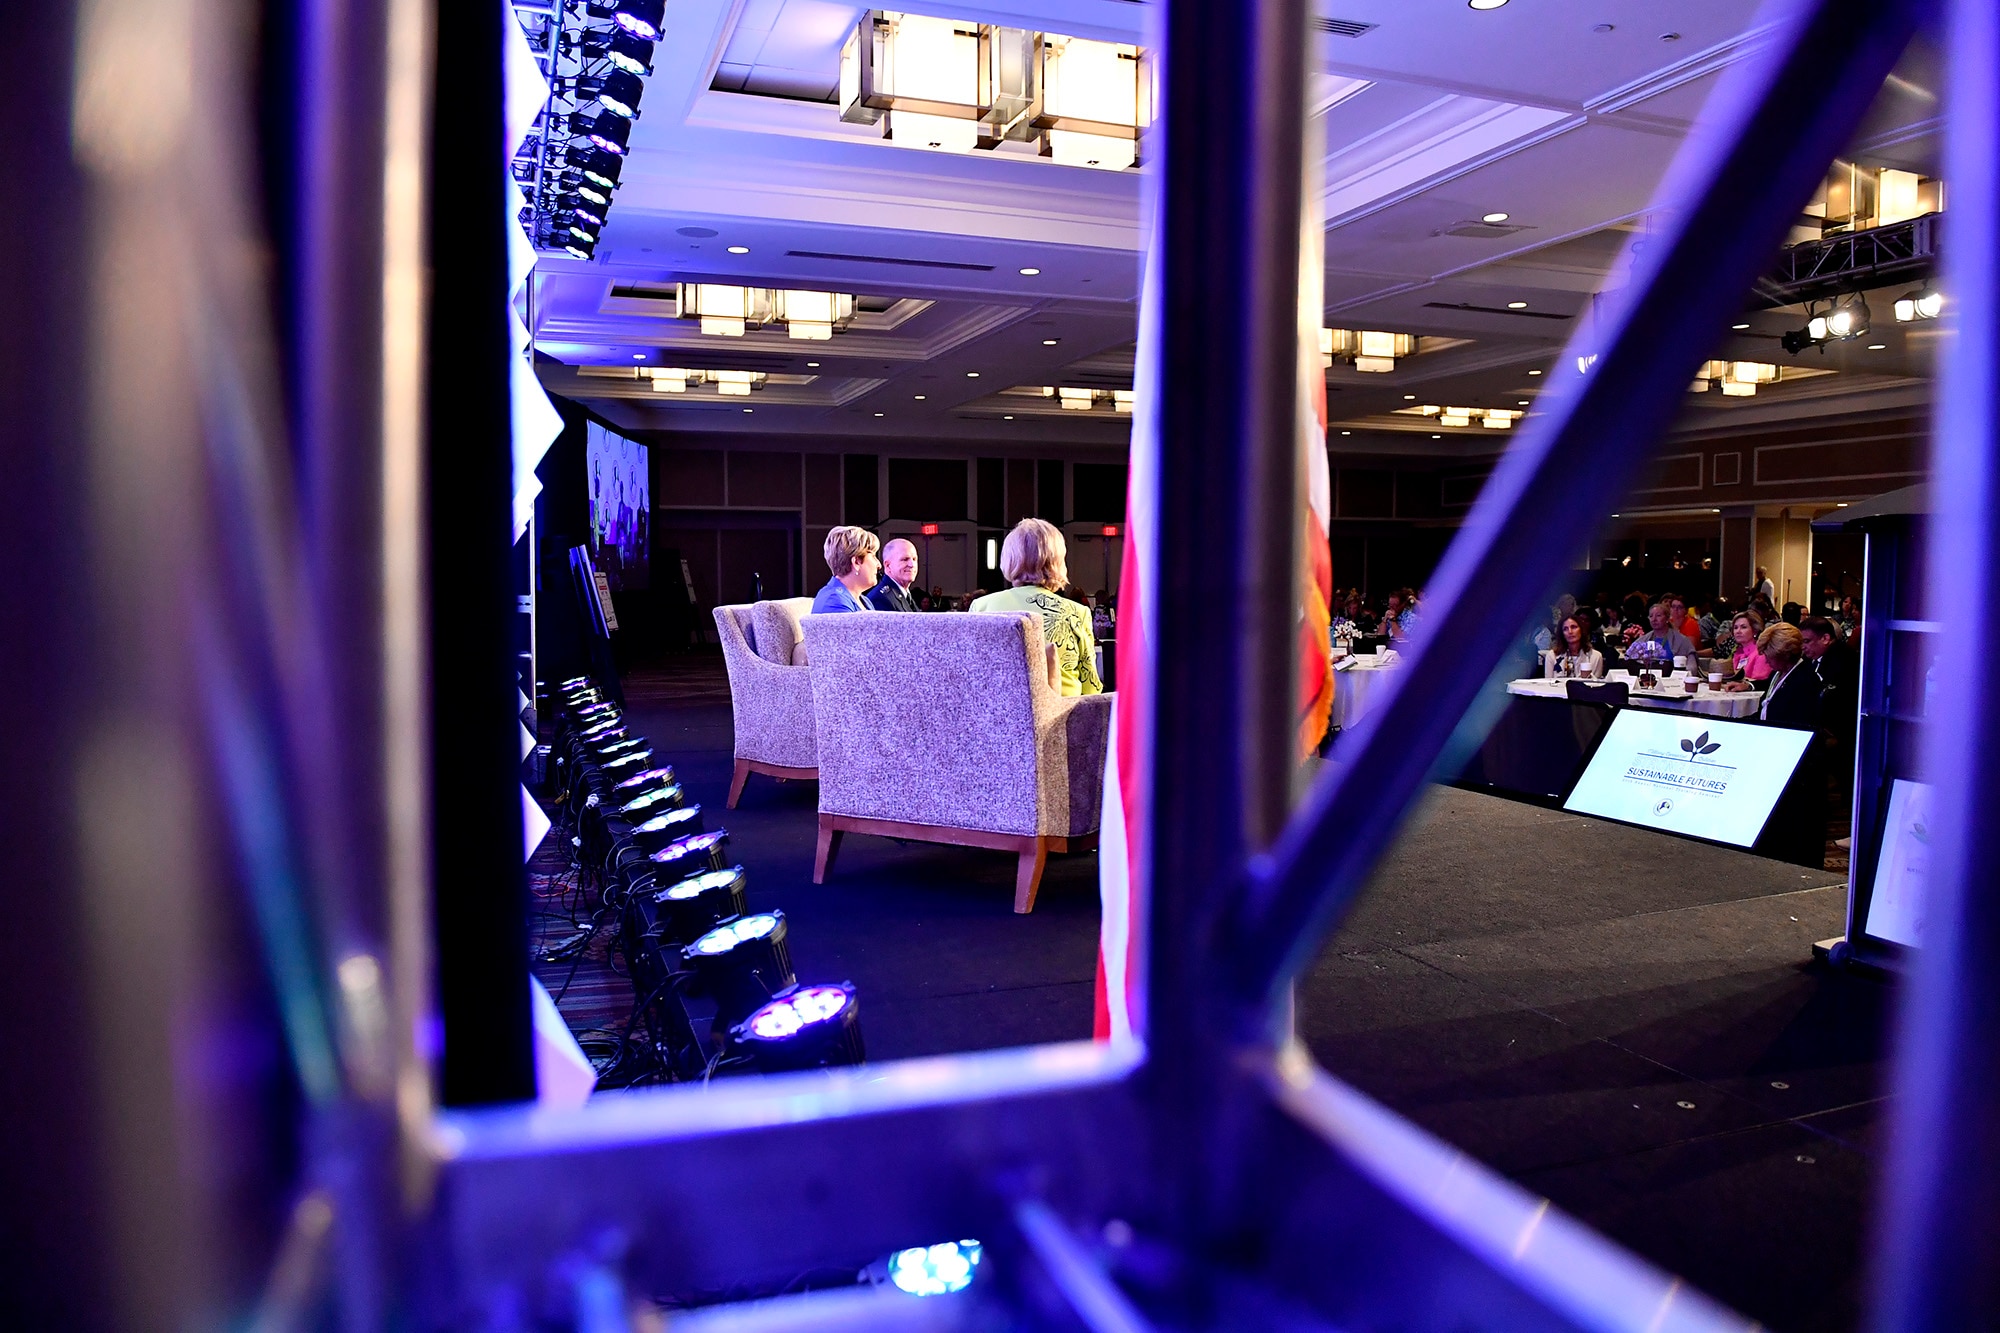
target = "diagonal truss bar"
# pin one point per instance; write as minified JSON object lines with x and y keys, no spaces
{"x":1740,"y":180}
{"x":1939,"y":1229}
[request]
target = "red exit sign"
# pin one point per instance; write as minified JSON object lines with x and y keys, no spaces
{"x":928,"y":530}
{"x":1111,"y":529}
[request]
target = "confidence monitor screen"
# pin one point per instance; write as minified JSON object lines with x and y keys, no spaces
{"x":620,"y":507}
{"x":1684,"y":773}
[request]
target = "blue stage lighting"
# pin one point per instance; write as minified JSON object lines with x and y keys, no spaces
{"x":803,"y":1027}
{"x":626,"y":766}
{"x":694,"y":905}
{"x":580,"y":249}
{"x":618,"y":749}
{"x":742,"y":962}
{"x":599,"y":168}
{"x":692,"y":853}
{"x":641,"y":18}
{"x":610,"y":133}
{"x":586,"y":190}
{"x":663,"y":828}
{"x":639,"y":783}
{"x":620,"y":94}
{"x":585,"y":213}
{"x":629,"y":52}
{"x":647,"y":804}
{"x":935,"y":1270}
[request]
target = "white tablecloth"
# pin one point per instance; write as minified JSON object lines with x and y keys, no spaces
{"x":1712,"y":701}
{"x":1353,"y":688}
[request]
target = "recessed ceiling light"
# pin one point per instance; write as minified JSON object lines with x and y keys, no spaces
{"x":1739,"y":327}
{"x":1050,"y":342}
{"x":1534,"y":372}
{"x":1008,"y":417}
{"x":878,"y":414}
{"x":1494,"y":217}
{"x":1347,"y":432}
{"x":1517,"y":305}
{"x":748,"y":410}
{"x":813,"y":364}
{"x":1409,"y":398}
{"x":638,"y":356}
{"x":1520,"y":402}
{"x":1841,"y":504}
{"x":972,"y":374}
{"x":1030,"y":272}
{"x":1486,"y":4}
{"x":920,"y":398}
{"x":1878,"y":347}
{"x":1437,"y":437}
{"x":739,"y":249}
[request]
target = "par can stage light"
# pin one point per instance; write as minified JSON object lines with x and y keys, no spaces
{"x":666,"y":826}
{"x":742,"y":962}
{"x":647,"y":804}
{"x":691,"y":907}
{"x":624,"y":747}
{"x":640,"y":783}
{"x":626,"y":765}
{"x":803,"y":1027}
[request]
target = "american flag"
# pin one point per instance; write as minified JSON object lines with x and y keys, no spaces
{"x":1122,"y":877}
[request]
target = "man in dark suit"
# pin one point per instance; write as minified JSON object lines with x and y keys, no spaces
{"x":1833,"y":662}
{"x":899,"y":571}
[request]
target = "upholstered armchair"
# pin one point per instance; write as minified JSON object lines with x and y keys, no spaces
{"x":944,"y":728}
{"x":770,"y":698}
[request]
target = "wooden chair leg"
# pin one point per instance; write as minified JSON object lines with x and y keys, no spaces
{"x":741,"y":776}
{"x":829,"y":848}
{"x":1028,"y":875}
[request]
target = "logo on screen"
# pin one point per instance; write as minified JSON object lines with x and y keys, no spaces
{"x":1663,"y":806}
{"x":1700,"y":745}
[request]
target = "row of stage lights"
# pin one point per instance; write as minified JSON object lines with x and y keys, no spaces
{"x":684,"y":926}
{"x":597,"y":54}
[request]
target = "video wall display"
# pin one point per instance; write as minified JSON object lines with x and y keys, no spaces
{"x":620,"y":508}
{"x":1699,"y":776}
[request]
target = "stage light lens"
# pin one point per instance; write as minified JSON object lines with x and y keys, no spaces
{"x":647,"y":804}
{"x":642,"y":18}
{"x":630,"y":52}
{"x":609,"y":132}
{"x":695,"y":845}
{"x":667,"y":824}
{"x":732,"y":933}
{"x":935,"y":1270}
{"x":620,"y":94}
{"x":648,"y":778}
{"x":593,"y":194}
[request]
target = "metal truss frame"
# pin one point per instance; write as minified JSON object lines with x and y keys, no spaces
{"x":1815,"y":270}
{"x":1275,"y":1194}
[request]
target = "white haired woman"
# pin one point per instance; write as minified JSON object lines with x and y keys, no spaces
{"x":855,"y":557}
{"x":1035,"y":559}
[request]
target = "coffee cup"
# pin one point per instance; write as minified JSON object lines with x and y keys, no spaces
{"x":1715,"y":677}
{"x":1691,"y":684}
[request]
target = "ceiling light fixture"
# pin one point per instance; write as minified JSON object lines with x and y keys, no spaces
{"x":739,"y":249}
{"x":1050,"y":342}
{"x":1494,"y":217}
{"x":959,"y":86}
{"x":1485,"y":4}
{"x":1517,"y":305}
{"x":641,"y":18}
{"x":1738,"y":379}
{"x":972,"y":374}
{"x":1370,"y":351}
{"x":1030,"y":272}
{"x":619,"y":94}
{"x":1739,"y":327}
{"x":1534,"y":372}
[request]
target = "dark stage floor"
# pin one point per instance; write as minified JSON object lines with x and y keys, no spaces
{"x":1627,"y":1023}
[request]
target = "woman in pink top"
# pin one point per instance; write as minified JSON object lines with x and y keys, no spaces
{"x":1749,"y":663}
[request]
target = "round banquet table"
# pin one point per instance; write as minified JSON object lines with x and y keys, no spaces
{"x":1353,"y":687}
{"x":1714,"y":702}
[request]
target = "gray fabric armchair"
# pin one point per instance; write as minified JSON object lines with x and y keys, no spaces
{"x":969,"y":744}
{"x":770,"y":698}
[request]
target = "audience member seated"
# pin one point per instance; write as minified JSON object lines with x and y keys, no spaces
{"x":1682,"y":619}
{"x":1035,"y":559}
{"x":853,"y":554}
{"x":1792,"y":695}
{"x":1792,"y":614}
{"x":1839,"y":676}
{"x":899,"y":571}
{"x":1399,"y":615}
{"x":1745,"y":660}
{"x":1574,"y":656}
{"x":1662,"y":642}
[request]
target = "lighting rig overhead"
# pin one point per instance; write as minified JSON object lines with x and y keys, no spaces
{"x":596,"y":55}
{"x":1845,"y":319}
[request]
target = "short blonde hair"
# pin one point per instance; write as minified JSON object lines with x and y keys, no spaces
{"x":1035,"y":553}
{"x":846,"y":545}
{"x":1781,"y":643}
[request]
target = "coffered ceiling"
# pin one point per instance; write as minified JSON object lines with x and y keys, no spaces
{"x":997,"y":271}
